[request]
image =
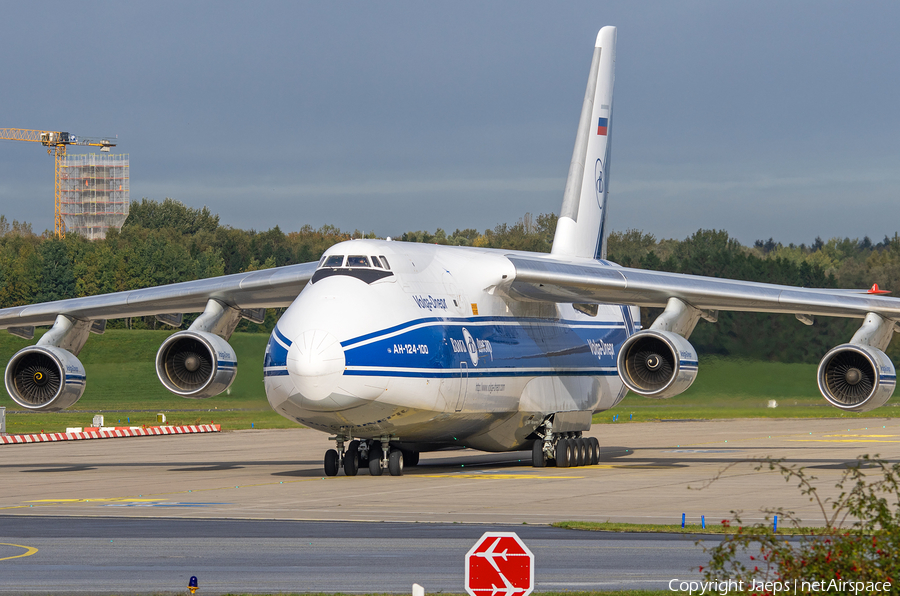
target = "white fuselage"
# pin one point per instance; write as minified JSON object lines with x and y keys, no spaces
{"x":426,"y":350}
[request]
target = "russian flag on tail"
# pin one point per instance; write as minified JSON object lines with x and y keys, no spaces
{"x":601,"y":126}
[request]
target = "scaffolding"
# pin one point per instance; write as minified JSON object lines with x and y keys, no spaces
{"x":95,"y":193}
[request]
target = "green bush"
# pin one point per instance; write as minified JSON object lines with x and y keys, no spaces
{"x":854,"y":553}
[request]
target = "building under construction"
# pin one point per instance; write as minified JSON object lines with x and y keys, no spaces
{"x":94,"y":193}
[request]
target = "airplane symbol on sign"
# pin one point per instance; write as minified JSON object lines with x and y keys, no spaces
{"x":499,"y":564}
{"x":490,"y":556}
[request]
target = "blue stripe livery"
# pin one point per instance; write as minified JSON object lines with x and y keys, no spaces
{"x":276,"y":354}
{"x":486,"y":346}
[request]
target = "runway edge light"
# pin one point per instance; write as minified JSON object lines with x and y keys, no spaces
{"x":192,"y":584}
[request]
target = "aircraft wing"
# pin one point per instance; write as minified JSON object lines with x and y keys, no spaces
{"x":589,"y":281}
{"x":267,"y":288}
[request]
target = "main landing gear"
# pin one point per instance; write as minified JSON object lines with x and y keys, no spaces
{"x":369,"y":454}
{"x":565,"y":450}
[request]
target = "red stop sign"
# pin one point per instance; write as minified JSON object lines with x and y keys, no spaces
{"x":499,"y":565}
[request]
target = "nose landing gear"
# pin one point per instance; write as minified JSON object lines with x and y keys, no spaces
{"x":351,"y":459}
{"x":348,"y":457}
{"x":332,"y":462}
{"x":395,"y":463}
{"x":376,"y":459}
{"x":367,"y":454}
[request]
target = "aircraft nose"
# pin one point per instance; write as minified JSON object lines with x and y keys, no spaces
{"x":315,"y":363}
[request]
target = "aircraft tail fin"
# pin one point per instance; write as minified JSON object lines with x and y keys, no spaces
{"x":580,"y":231}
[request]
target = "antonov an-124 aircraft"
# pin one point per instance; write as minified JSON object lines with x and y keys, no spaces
{"x":395,"y":348}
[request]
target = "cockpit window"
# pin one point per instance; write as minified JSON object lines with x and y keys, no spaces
{"x":385,"y":261}
{"x":357,"y":261}
{"x":376,"y":262}
{"x":334,"y":261}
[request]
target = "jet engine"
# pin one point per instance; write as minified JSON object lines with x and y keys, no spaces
{"x":656,"y":363}
{"x":856,"y":378}
{"x":196,"y":364}
{"x":45,"y":378}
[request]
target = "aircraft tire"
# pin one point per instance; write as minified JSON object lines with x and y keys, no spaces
{"x":563,"y":449}
{"x":351,"y":459}
{"x":395,"y":463}
{"x":595,"y":451}
{"x":331,"y":463}
{"x":410,"y":459}
{"x":580,"y":451}
{"x":375,"y":455}
{"x":538,"y":459}
{"x":573,"y":453}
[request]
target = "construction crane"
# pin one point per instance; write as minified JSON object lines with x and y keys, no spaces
{"x":56,"y":143}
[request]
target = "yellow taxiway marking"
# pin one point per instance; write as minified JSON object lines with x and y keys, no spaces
{"x":495,"y":476}
{"x":541,"y":477}
{"x":866,"y":436}
{"x":840,"y":441}
{"x":631,"y":467}
{"x":98,"y":500}
{"x":766,"y":437}
{"x":53,"y":502}
{"x":29,"y":550}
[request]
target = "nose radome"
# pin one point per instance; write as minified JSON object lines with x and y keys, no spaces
{"x":315,"y":362}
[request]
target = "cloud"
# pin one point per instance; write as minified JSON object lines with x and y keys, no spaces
{"x":760,"y":182}
{"x":361,"y":189}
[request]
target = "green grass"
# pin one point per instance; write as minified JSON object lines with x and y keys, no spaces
{"x":122,"y":384}
{"x":731,"y":388}
{"x":711,"y":528}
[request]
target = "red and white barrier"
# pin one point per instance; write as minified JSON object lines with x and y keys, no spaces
{"x":112,"y":433}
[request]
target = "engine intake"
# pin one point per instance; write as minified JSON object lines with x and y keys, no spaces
{"x":196,"y":364}
{"x":657,"y":364}
{"x":856,"y":378}
{"x":45,"y":378}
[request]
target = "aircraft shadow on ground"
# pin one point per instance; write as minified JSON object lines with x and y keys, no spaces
{"x":482,"y":462}
{"x":847,"y":465}
{"x":83,"y":468}
{"x":187,"y":466}
{"x":451,"y":463}
{"x":210,"y":468}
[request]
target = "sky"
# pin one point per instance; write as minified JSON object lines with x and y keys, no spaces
{"x":764,"y":119}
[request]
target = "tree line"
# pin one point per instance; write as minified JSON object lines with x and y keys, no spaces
{"x":168,"y":242}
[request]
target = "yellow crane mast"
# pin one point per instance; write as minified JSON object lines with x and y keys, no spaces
{"x":55,"y":142}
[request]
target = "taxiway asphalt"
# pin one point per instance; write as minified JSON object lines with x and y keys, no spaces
{"x":153,"y":556}
{"x":140,"y":515}
{"x":650,"y":472}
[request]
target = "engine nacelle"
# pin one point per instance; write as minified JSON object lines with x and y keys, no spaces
{"x":856,"y":378}
{"x":196,"y":364}
{"x":657,"y":363}
{"x":45,"y":378}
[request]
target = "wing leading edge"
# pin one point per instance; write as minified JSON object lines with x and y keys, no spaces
{"x":268,"y":288}
{"x":660,"y":362}
{"x":587,"y":281}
